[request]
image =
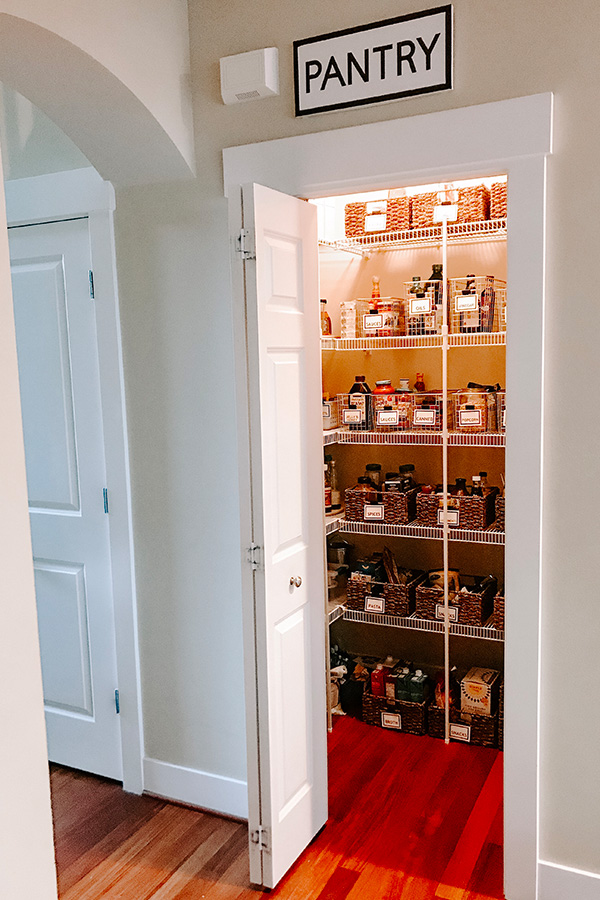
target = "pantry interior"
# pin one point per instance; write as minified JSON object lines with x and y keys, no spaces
{"x":376,"y":276}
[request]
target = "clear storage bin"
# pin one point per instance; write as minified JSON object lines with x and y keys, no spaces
{"x":477,"y":305}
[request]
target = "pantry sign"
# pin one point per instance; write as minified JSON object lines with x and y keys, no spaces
{"x":386,"y":60}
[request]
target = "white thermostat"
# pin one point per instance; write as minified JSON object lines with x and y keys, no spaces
{"x":250,"y":76}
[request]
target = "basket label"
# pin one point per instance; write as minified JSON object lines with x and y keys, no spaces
{"x":391,"y":720}
{"x":466,"y":302}
{"x":461,"y":733}
{"x":375,"y":222}
{"x":327,"y":410}
{"x":452,"y":612}
{"x":372,"y":321}
{"x":352,"y":416}
{"x":374,"y":511}
{"x":424,"y":417}
{"x":453,"y":517}
{"x":468,"y":418}
{"x":375,"y":604}
{"x":420,"y":305}
{"x":387,"y":416}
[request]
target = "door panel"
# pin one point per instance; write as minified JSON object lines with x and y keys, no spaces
{"x":64,"y":450}
{"x":287,"y":480}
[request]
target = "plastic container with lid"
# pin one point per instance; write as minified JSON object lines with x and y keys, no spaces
{"x":406,"y":476}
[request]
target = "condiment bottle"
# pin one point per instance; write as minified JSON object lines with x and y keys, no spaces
{"x":360,"y":386}
{"x":325,"y":320}
{"x":373,"y":472}
{"x":461,"y":487}
{"x":476,"y":490}
{"x":375,"y":292}
{"x":484,"y":481}
{"x":383,"y":387}
{"x":419,"y":383}
{"x":336,"y":497}
{"x":327,"y":489}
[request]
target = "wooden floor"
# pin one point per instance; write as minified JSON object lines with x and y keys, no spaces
{"x":410,"y":819}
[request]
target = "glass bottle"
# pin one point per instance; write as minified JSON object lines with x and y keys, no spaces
{"x":487,"y":305}
{"x":363,"y":403}
{"x":375,"y":291}
{"x":461,"y":487}
{"x":373,"y":472}
{"x":435,"y":284}
{"x":336,"y":497}
{"x":419,"y":384}
{"x":416,"y":322}
{"x":327,"y":487}
{"x":325,"y":320}
{"x":476,"y":490}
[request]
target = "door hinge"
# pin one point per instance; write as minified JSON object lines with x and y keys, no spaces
{"x":105,"y":498}
{"x":91,"y":281}
{"x":262,"y":837}
{"x":253,"y":556}
{"x":117,"y":703}
{"x":245,"y":244}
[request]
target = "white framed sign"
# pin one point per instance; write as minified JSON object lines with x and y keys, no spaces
{"x":386,"y":60}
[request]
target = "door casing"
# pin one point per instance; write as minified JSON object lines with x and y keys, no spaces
{"x":510,"y":137}
{"x":82,"y":192}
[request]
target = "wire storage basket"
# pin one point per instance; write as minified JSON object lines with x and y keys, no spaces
{"x":472,"y":605}
{"x":428,"y":412}
{"x":392,"y":412}
{"x":383,"y":598}
{"x":474,"y":411}
{"x":331,"y":413}
{"x":356,"y":411}
{"x":477,"y":304}
{"x":423,"y":307}
{"x":386,"y":320}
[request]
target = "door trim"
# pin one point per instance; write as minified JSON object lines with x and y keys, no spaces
{"x":512,"y":137}
{"x":83,"y":193}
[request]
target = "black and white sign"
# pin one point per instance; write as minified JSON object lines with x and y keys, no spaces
{"x":386,"y":60}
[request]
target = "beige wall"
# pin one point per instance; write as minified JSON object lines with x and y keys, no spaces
{"x":501,"y":51}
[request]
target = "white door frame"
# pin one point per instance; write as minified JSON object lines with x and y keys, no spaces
{"x":512,"y":137}
{"x":67,"y":195}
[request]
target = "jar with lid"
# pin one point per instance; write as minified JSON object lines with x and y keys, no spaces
{"x":373,"y":473}
{"x":407,"y":480}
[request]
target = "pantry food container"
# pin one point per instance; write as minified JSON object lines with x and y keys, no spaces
{"x":474,"y":513}
{"x":395,"y":715}
{"x":501,"y":411}
{"x":471,"y":607}
{"x":356,"y":411}
{"x":351,"y":318}
{"x":428,"y":412}
{"x":499,"y":611}
{"x":479,"y":691}
{"x":331,"y":414}
{"x":387,"y":320}
{"x":470,"y":729}
{"x":384,"y":599}
{"x":473,"y":203}
{"x":383,"y":507}
{"x":474,"y":411}
{"x":392,"y":412}
{"x":477,"y":304}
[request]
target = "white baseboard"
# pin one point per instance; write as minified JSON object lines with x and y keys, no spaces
{"x":561,"y":883}
{"x":227,"y":796}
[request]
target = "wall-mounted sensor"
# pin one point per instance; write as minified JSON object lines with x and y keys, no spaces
{"x":250,"y":76}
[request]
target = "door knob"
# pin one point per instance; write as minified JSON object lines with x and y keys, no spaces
{"x":295,"y":581}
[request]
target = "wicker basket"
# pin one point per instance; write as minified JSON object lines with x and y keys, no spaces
{"x":473,"y":203}
{"x":422,"y":205}
{"x":499,"y":611}
{"x":398,"y":214}
{"x":395,"y":508}
{"x":500,"y":507}
{"x":483,"y":728}
{"x":398,"y":599}
{"x":501,"y":718}
{"x":472,"y":607}
{"x":397,"y":217}
{"x":498,"y":204}
{"x":475,"y":513}
{"x":397,"y":715}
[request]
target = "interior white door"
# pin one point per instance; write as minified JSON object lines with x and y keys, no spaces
{"x":64,"y":450}
{"x":282,"y":296}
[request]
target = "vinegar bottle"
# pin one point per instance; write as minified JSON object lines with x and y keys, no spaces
{"x":325,"y":320}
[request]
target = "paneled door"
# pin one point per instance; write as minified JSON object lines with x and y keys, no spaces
{"x":284,"y":375}
{"x":68,"y":504}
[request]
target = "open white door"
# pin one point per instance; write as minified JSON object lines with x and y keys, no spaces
{"x":284,"y":375}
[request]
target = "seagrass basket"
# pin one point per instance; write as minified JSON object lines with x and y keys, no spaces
{"x":500,"y":507}
{"x":499,"y":611}
{"x":473,"y":607}
{"x":484,"y":729}
{"x":398,"y":599}
{"x":473,"y":203}
{"x":385,"y":507}
{"x":472,"y":512}
{"x":396,"y":715}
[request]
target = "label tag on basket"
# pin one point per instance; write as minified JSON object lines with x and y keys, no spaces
{"x":375,"y":222}
{"x":453,"y":517}
{"x":373,"y":512}
{"x":387,"y":416}
{"x":469,"y":418}
{"x":391,"y":720}
{"x":461,"y":733}
{"x":420,"y":305}
{"x":424,"y":417}
{"x":375,"y":604}
{"x":466,"y":302}
{"x":327,"y":410}
{"x":452,"y":612}
{"x":352,"y":416}
{"x":372,"y":321}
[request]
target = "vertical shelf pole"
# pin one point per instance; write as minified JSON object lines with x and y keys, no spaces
{"x":445,"y":213}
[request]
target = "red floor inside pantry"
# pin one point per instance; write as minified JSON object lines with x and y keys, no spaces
{"x":409,"y":819}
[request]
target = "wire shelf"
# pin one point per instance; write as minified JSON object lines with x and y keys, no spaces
{"x":489,"y":535}
{"x":332,"y":523}
{"x":455,"y":439}
{"x":335,"y":611}
{"x":458,"y":233}
{"x":485,"y":632}
{"x":416,"y":342}
{"x":330,"y":437}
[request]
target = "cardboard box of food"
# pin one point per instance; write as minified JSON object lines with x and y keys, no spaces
{"x":479,"y":691}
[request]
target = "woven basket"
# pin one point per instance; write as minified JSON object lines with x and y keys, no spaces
{"x":473,"y":608}
{"x":398,"y":509}
{"x":475,"y":513}
{"x":500,"y":507}
{"x":399,"y":599}
{"x":413,"y":716}
{"x":498,"y":205}
{"x":499,"y":611}
{"x":483,"y":728}
{"x":422,"y":210}
{"x":397,"y":217}
{"x":473,"y":203}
